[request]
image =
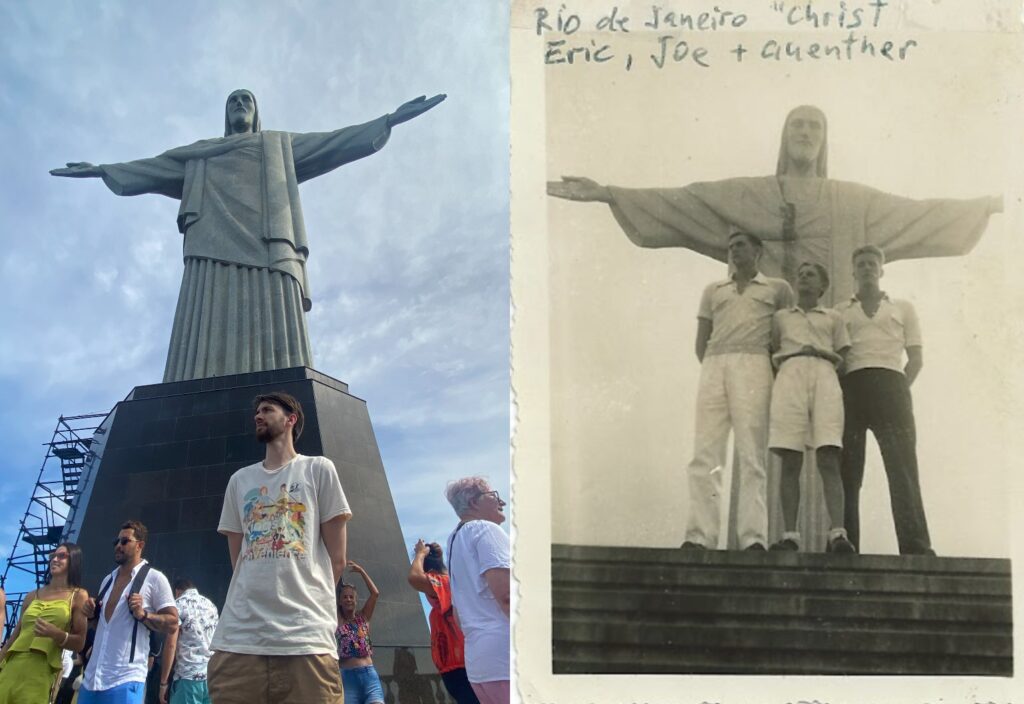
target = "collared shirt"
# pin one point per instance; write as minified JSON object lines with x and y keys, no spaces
{"x":742,"y":322}
{"x":879,"y":341}
{"x":198,"y":619}
{"x":109,"y":667}
{"x":821,"y":329}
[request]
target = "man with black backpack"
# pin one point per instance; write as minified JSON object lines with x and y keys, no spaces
{"x":134,"y":594}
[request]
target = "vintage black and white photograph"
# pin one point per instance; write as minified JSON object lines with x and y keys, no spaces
{"x":779,"y":399}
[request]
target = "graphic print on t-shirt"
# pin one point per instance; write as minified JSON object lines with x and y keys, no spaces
{"x":274,"y":527}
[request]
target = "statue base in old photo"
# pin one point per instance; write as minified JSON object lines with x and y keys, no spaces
{"x":164,"y":456}
{"x":659,"y":611}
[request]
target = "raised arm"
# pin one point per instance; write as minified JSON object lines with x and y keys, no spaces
{"x":414,"y":108}
{"x":78,"y":169}
{"x":161,"y":175}
{"x":371,"y":601}
{"x":418,"y":579}
{"x":579,"y":188}
{"x":939,"y":227}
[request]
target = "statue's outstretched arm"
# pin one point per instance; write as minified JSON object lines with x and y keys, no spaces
{"x":78,"y":169}
{"x":579,"y":188}
{"x":414,"y":108}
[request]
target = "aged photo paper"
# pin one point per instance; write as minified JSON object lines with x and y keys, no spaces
{"x":923,"y":100}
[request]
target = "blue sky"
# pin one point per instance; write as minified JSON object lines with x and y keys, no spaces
{"x":408,"y":248}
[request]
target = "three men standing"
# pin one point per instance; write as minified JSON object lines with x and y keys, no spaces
{"x":740,"y":319}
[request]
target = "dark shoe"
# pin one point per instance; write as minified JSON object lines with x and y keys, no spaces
{"x":755,"y":547}
{"x":690,"y":545}
{"x":842,"y":545}
{"x":785,"y":545}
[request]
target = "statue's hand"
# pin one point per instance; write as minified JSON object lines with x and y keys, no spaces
{"x":78,"y":169}
{"x":414,"y":108}
{"x":579,"y":188}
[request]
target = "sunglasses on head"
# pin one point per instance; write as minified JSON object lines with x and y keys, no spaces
{"x":124,"y":541}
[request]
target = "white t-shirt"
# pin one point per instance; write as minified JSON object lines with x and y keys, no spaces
{"x":281,"y":598}
{"x":109,"y":667}
{"x":475,"y":548}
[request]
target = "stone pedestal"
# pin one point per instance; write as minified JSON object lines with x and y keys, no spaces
{"x":645,"y":611}
{"x":164,"y":456}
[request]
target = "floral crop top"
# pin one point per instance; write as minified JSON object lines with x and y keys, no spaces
{"x":353,"y":638}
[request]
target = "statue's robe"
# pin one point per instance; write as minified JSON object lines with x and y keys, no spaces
{"x":244,"y":292}
{"x":833,"y":220}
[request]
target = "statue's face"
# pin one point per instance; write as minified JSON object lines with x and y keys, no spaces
{"x":241,"y":109}
{"x":805,"y":133}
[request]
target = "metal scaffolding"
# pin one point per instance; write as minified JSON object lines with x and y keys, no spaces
{"x":53,"y":503}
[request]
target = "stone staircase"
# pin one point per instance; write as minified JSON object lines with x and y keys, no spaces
{"x":658,"y":611}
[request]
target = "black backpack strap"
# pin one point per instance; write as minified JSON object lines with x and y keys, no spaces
{"x":451,"y":545}
{"x":140,"y":579}
{"x":104,"y":586}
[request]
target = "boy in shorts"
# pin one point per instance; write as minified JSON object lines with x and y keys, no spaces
{"x":808,"y":342}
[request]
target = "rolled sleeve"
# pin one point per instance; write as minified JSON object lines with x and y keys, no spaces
{"x":492,"y":549}
{"x":230,"y":520}
{"x":330,"y":496}
{"x":911,"y":326}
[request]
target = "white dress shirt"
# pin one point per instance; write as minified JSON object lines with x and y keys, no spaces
{"x":109,"y":667}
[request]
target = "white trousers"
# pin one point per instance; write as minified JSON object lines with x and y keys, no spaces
{"x":734,"y":393}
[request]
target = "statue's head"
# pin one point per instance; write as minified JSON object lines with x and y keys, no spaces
{"x":804,"y":141}
{"x":241,"y":114}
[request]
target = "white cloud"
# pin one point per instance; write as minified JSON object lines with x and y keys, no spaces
{"x":409,"y":246}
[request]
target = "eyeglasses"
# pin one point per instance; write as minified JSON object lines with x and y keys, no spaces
{"x":493,"y":493}
{"x":124,"y":541}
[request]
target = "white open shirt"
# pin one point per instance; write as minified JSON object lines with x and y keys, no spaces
{"x":109,"y":667}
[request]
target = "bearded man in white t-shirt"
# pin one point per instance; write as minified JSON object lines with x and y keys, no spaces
{"x":274,"y":643}
{"x":479,"y":564}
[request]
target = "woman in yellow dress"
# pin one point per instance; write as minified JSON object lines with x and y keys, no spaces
{"x":52,"y":620}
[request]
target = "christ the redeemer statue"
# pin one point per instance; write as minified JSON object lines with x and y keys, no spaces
{"x":244,"y":292}
{"x":800,"y":215}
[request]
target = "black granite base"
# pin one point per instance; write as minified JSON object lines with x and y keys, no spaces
{"x":165,"y":455}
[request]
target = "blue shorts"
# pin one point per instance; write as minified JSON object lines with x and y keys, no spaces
{"x":127,"y":693}
{"x":362,"y":685}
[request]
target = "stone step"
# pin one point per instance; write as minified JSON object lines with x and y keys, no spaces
{"x":817,"y":561}
{"x":856,"y":611}
{"x":756,"y":636}
{"x":616,"y":659}
{"x":784,"y":572}
{"x":648,"y":610}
